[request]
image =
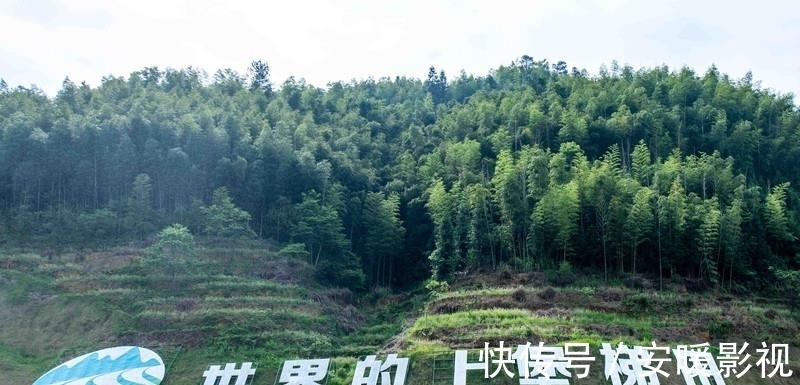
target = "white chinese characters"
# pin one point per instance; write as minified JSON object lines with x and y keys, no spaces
{"x":540,"y":365}
{"x":368,"y":371}
{"x":535,"y":365}
{"x":215,"y":374}
{"x":304,"y":372}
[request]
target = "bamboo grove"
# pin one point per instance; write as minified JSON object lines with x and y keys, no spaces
{"x":667,"y":173}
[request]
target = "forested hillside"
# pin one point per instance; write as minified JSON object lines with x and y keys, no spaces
{"x":664,"y":172}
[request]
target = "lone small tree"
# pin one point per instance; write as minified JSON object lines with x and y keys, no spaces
{"x":173,"y":246}
{"x":224,"y":219}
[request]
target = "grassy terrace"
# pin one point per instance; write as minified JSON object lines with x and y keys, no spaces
{"x":468,"y":318}
{"x":238,"y":303}
{"x":577,"y":314}
{"x":245,"y":303}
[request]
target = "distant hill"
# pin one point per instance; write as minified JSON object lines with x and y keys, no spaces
{"x":673,"y":173}
{"x":535,"y":202}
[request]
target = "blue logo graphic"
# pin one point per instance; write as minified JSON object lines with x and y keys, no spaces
{"x":123,"y":365}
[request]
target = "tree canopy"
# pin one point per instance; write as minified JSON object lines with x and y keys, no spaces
{"x":657,"y":171}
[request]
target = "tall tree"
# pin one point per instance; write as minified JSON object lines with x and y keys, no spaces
{"x":708,"y":241}
{"x":436,"y":85}
{"x":259,"y":77}
{"x":776,"y":216}
{"x":555,"y":218}
{"x":640,"y":221}
{"x":384,"y":236}
{"x":319,"y":227}
{"x":224,"y":219}
{"x":439,"y":206}
{"x":174,"y":245}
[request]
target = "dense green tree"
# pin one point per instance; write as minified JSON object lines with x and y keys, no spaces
{"x":671,"y":222}
{"x":383,"y":239}
{"x":555,"y":221}
{"x":224,"y":219}
{"x":525,"y":167}
{"x":776,"y":217}
{"x":641,"y":166}
{"x":259,"y":76}
{"x":440,"y":207}
{"x":511,"y":198}
{"x":640,"y":221}
{"x":436,"y":85}
{"x":708,"y":241}
{"x":319,"y":227}
{"x":600,"y":189}
{"x":174,"y":245}
{"x":140,"y":218}
{"x":731,"y":239}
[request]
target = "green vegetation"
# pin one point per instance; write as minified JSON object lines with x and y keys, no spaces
{"x":388,"y":182}
{"x":248,"y":302}
{"x":468,"y":318}
{"x":224,"y":218}
{"x":265,"y":308}
{"x":173,"y":247}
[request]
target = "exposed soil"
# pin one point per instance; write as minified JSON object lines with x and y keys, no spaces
{"x":458,"y":304}
{"x":186,"y":339}
{"x":472,"y":337}
{"x":501,"y":278}
{"x":610,"y":330}
{"x":667,"y":335}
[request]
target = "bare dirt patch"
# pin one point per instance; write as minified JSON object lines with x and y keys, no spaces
{"x":499,"y":278}
{"x":473,"y":337}
{"x":285,"y":271}
{"x":610,"y":294}
{"x":458,"y":304}
{"x":184,"y":338}
{"x":672,"y":335}
{"x":610,"y":330}
{"x":555,"y":312}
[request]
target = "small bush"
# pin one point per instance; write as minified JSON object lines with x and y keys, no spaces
{"x":547,"y":294}
{"x":565,"y":267}
{"x":587,"y":291}
{"x":638,"y":282}
{"x":346,"y":274}
{"x":563,"y":280}
{"x":505,"y":273}
{"x":610,"y":294}
{"x":294,"y":250}
{"x":720,"y":328}
{"x":519,"y":295}
{"x":186,"y":304}
{"x":696,"y":285}
{"x":637,"y":304}
{"x":343,"y":372}
{"x":436,"y":288}
{"x":564,"y":276}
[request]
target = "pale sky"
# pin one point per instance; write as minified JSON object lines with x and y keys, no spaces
{"x":42,"y":42}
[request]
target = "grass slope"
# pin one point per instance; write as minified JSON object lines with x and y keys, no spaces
{"x":479,"y":310}
{"x":241,"y":301}
{"x":235,"y":302}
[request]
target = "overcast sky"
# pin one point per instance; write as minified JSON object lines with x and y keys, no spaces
{"x":44,"y":41}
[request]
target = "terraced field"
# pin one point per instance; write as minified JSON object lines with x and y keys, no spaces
{"x":235,"y":304}
{"x":243,"y":302}
{"x":468,"y":318}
